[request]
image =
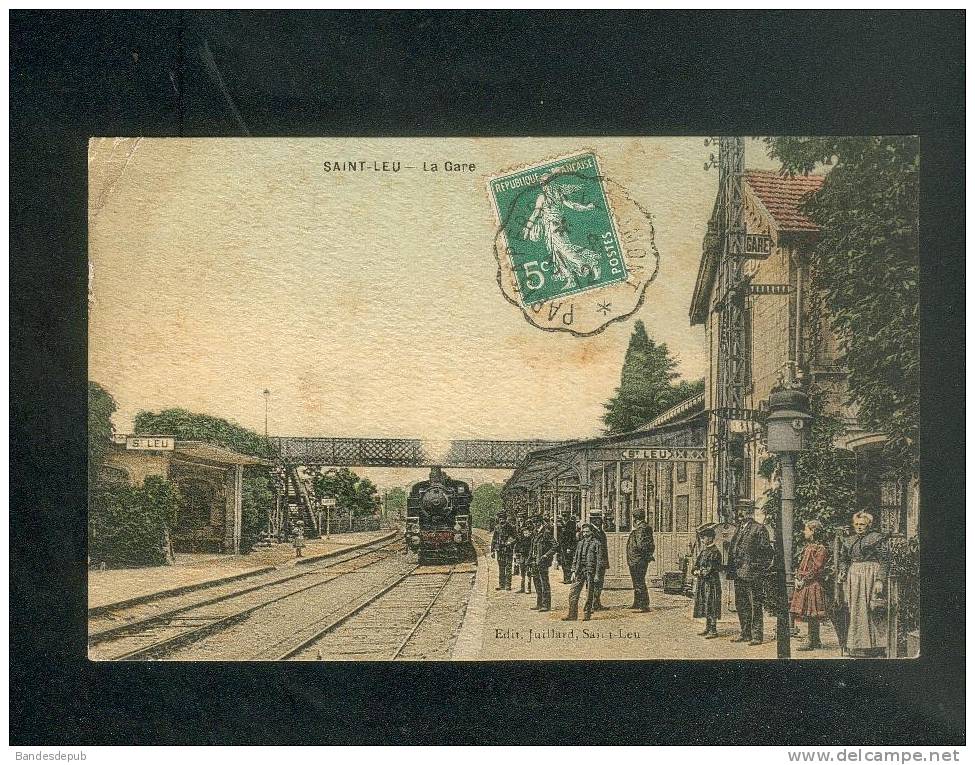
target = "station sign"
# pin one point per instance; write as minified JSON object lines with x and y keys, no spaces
{"x":328,"y":502}
{"x":657,"y":453}
{"x":150,"y":443}
{"x":757,"y":246}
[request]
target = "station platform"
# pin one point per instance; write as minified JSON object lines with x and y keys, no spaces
{"x":500,"y":625}
{"x":114,"y":587}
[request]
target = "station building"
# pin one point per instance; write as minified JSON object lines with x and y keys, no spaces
{"x":209,"y":479}
{"x":656,"y":472}
{"x":786,"y":331}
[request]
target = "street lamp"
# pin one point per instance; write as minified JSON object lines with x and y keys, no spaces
{"x":267,"y":395}
{"x":787,"y":433}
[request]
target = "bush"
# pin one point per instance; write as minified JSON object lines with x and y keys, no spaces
{"x":129,"y":527}
{"x":257,"y":502}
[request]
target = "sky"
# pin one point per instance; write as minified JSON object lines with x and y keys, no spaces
{"x":366,"y":302}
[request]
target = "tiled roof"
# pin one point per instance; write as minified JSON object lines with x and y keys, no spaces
{"x":782,"y":195}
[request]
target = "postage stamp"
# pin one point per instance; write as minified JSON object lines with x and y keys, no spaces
{"x":560,"y":237}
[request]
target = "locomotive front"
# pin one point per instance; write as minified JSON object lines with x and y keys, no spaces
{"x":438,"y":517}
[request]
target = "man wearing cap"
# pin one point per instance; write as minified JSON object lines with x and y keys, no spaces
{"x":600,"y":536}
{"x":540,"y":559}
{"x":567,"y":539}
{"x":639,"y":553}
{"x":587,"y":561}
{"x":749,"y":561}
{"x":503,"y":546}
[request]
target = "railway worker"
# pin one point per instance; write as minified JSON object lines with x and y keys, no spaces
{"x":567,"y":539}
{"x":749,"y":563}
{"x":588,"y":559}
{"x":540,"y":560}
{"x":523,"y":548}
{"x":639,"y":553}
{"x":600,"y":536}
{"x":502,"y":548}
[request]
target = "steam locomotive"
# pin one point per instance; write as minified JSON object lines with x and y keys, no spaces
{"x":438,"y":518}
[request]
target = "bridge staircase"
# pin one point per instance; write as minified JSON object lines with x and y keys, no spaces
{"x":301,"y":502}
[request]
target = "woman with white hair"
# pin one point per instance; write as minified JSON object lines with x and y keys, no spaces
{"x":863,"y":574}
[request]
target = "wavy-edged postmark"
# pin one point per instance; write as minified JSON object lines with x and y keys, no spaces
{"x":575,"y":252}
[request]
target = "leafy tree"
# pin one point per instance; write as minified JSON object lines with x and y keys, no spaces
{"x":190,"y":426}
{"x":866,"y":265}
{"x":101,"y":407}
{"x":352,"y":493}
{"x":649,"y":384}
{"x":485,"y":504}
{"x":396,"y":502}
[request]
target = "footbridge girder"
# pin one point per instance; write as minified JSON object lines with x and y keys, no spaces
{"x":406,"y":452}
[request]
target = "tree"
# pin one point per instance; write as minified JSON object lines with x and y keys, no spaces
{"x":190,"y":426}
{"x":257,"y":501}
{"x":101,"y":407}
{"x":396,"y":502}
{"x":352,"y":493}
{"x":866,"y":266}
{"x":649,"y":384}
{"x":485,"y":505}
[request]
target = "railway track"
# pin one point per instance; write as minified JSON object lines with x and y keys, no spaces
{"x":162,"y":628}
{"x":390,"y":623}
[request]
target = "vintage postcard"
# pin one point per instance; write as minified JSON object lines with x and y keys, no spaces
{"x":503,"y":398}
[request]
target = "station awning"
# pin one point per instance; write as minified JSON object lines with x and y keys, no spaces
{"x":201,"y":451}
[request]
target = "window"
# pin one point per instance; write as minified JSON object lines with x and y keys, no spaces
{"x":681,"y":472}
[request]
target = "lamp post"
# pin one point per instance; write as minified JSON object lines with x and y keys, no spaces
{"x":267,"y":395}
{"x":787,"y":433}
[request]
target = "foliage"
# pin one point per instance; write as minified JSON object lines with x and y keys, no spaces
{"x":485,"y":504}
{"x":190,"y":426}
{"x":256,"y":506}
{"x":101,"y":407}
{"x":649,"y":384}
{"x":866,"y":265}
{"x":128,"y":526}
{"x":905,"y":564}
{"x":396,"y":502}
{"x":351,"y":492}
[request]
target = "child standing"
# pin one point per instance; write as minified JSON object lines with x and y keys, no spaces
{"x":809,"y":600}
{"x":299,"y":538}
{"x":707,"y":600}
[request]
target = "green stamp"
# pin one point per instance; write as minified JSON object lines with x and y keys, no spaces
{"x":558,"y":229}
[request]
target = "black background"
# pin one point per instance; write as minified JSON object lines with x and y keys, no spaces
{"x":75,"y":75}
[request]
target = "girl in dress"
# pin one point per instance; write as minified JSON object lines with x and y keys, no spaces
{"x":707,"y":600}
{"x":809,"y":599}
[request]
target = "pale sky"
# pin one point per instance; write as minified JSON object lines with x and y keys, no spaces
{"x":366,"y":302}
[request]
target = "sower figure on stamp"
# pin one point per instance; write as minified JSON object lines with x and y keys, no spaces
{"x":596,"y":521}
{"x":502,"y":547}
{"x":540,"y":559}
{"x":707,"y":598}
{"x":587,"y":561}
{"x":639,"y":553}
{"x":567,"y":539}
{"x":748,"y":564}
{"x":523,"y":548}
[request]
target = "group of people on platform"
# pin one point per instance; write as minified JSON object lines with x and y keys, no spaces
{"x":531,"y":546}
{"x":849,"y":591}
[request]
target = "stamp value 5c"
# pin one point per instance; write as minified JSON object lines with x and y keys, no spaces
{"x":560,"y":238}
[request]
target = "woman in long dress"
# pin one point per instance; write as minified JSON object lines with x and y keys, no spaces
{"x":863,"y":573}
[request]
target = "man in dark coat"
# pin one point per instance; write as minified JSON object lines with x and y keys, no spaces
{"x":567,"y":540}
{"x":588,"y":559}
{"x":540,"y":560}
{"x":639,"y":553}
{"x":503,"y":547}
{"x":749,"y":561}
{"x":599,"y":535}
